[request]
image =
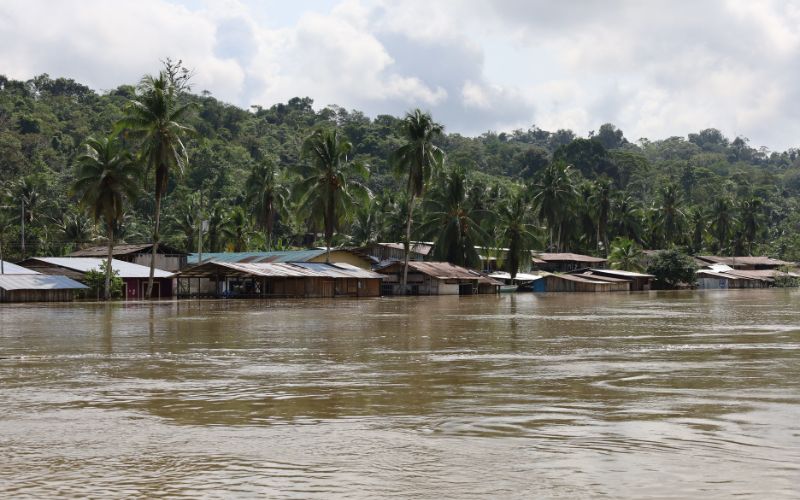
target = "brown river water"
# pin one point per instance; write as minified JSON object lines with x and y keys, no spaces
{"x":666,"y":395}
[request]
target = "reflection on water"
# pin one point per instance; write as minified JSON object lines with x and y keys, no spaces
{"x":629,"y":395}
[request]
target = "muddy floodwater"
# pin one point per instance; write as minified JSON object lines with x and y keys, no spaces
{"x":668,"y":395}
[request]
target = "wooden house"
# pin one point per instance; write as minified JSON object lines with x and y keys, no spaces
{"x":382,"y":252}
{"x":638,"y":281}
{"x":436,"y":278}
{"x":745,"y":263}
{"x":167,"y":258}
{"x":313,"y":255}
{"x":278,"y":279}
{"x":566,"y":262}
{"x":134,"y":276}
{"x":18,"y":284}
{"x":574,"y":283}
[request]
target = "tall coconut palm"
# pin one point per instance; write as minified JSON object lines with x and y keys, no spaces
{"x":268,"y":196}
{"x":452,"y":223}
{"x":155,"y":119}
{"x":600,"y":200}
{"x":554,"y":195}
{"x":516,"y":232}
{"x":698,"y":224}
{"x":722,"y":221}
{"x":415,"y":161}
{"x":333,"y":187}
{"x":751,"y":211}
{"x":670,"y":213}
{"x":627,"y":216}
{"x":625,"y":254}
{"x":106,"y":177}
{"x":368,"y":224}
{"x":238,"y":229}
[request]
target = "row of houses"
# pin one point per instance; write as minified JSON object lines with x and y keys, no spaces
{"x":363,"y":272}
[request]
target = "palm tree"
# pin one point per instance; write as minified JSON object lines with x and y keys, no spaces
{"x":415,"y":160}
{"x":697,"y":222}
{"x":722,"y":221}
{"x":368,"y":224}
{"x":751,"y":215}
{"x":554,"y":194}
{"x":600,"y":200}
{"x":333,"y":188}
{"x":155,"y":118}
{"x":106,"y":177}
{"x":626,"y":255}
{"x":452,"y":223}
{"x":627,"y":216}
{"x":516,"y":232}
{"x":671,"y":215}
{"x":268,"y":195}
{"x":238,"y":229}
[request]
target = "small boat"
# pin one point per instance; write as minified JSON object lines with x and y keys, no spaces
{"x":508,"y":288}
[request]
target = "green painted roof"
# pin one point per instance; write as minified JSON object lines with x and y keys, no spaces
{"x":256,"y":257}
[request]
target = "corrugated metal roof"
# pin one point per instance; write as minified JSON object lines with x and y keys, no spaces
{"x":9,"y":268}
{"x":568,"y":257}
{"x":502,"y":275}
{"x":580,"y":279}
{"x":338,"y":270}
{"x":86,"y":264}
{"x":621,"y":273}
{"x":446,"y":270}
{"x":719,"y":274}
{"x":282,"y":270}
{"x":11,"y":282}
{"x":418,"y":247}
{"x":124,"y":249}
{"x":764,"y":274}
{"x":745,"y":260}
{"x":277,"y":256}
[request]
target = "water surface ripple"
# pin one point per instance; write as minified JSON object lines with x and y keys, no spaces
{"x":668,"y":395}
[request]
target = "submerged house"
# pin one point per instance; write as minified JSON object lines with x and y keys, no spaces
{"x":526,"y":281}
{"x":167,"y":258}
{"x":436,"y":278}
{"x":745,"y":263}
{"x":638,"y":281}
{"x":721,"y":276}
{"x":134,"y":276}
{"x":18,"y":284}
{"x":566,"y":262}
{"x":419,"y":250}
{"x":318,"y":255}
{"x":277,"y":279}
{"x":578,"y":283}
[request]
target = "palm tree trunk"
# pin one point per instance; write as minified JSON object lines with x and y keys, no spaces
{"x":108,"y":261}
{"x":150,"y":280}
{"x":407,"y":245}
{"x":598,"y":235}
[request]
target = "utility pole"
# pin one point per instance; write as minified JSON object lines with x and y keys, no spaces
{"x":199,"y":237}
{"x":22,"y":226}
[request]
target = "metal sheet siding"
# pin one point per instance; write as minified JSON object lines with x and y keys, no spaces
{"x":38,"y":282}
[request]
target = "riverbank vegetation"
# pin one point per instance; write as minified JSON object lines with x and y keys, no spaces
{"x":288,"y":175}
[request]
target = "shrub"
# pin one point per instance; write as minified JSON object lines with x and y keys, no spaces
{"x":672,"y":268}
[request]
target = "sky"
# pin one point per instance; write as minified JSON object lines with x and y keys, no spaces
{"x":655,"y":69}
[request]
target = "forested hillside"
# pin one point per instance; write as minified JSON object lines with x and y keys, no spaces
{"x":702,"y":193}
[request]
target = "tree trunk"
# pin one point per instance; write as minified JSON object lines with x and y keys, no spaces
{"x":149,"y":293}
{"x":407,"y":245}
{"x":110,"y":257}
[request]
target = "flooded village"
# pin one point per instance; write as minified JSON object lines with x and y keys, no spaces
{"x":363,"y":249}
{"x":372,"y":271}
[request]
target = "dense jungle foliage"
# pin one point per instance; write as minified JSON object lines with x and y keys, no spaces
{"x":256,"y":177}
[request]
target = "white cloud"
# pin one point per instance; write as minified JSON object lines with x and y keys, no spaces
{"x":654,"y":69}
